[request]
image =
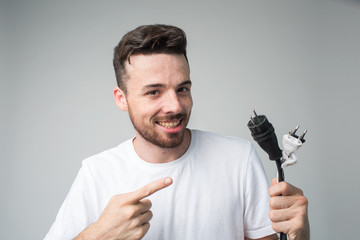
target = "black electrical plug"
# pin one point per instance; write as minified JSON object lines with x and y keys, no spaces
{"x":263,"y":133}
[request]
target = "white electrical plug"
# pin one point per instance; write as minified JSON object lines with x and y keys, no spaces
{"x":291,"y":143}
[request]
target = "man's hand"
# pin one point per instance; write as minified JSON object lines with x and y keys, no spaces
{"x":127,"y":215}
{"x":288,"y":210}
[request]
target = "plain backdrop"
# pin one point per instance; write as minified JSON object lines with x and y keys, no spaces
{"x":296,"y":61}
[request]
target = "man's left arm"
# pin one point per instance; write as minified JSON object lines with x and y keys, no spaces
{"x":289,"y":211}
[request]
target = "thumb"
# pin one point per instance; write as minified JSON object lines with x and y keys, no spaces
{"x":273,"y":181}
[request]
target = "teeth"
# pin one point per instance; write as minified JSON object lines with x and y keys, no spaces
{"x":170,"y":124}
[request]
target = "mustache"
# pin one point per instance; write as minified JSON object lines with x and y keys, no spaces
{"x":171,"y":117}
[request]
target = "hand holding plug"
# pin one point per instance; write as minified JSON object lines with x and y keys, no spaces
{"x":288,"y":210}
{"x":264,"y":134}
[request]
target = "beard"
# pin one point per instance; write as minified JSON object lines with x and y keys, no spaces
{"x":163,"y":140}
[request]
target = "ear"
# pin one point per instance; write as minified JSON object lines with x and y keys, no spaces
{"x":120,"y":99}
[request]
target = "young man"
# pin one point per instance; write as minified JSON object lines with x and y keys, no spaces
{"x":198,"y":185}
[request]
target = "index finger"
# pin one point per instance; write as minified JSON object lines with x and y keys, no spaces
{"x":284,"y":189}
{"x":150,"y":189}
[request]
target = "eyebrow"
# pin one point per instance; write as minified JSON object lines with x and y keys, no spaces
{"x":185,"y":83}
{"x":157,"y":85}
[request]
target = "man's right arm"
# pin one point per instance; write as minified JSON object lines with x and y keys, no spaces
{"x":126,"y":216}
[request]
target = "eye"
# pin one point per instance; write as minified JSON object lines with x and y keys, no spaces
{"x":153,"y":92}
{"x":183,"y":89}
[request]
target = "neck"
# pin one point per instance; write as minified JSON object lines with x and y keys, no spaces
{"x":155,"y":154}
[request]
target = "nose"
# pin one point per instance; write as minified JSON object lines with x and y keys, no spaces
{"x":172,"y":103}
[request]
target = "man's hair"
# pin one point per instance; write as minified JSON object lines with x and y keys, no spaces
{"x":147,"y":39}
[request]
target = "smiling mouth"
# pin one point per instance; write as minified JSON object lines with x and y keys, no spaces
{"x":169,"y":124}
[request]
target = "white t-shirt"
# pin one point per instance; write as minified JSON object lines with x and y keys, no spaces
{"x":219,"y":191}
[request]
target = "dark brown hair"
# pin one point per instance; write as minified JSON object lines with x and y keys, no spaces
{"x":147,"y":39}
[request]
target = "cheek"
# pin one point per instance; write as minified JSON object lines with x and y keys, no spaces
{"x":148,"y":110}
{"x":188,"y":103}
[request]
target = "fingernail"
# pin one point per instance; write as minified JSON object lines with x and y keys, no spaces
{"x":168,"y":181}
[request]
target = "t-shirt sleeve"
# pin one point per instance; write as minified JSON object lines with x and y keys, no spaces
{"x":75,"y":213}
{"x":256,"y":200}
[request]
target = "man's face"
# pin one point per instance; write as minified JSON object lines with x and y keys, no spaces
{"x":158,"y":97}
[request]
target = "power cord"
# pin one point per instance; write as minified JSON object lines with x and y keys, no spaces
{"x":263,"y":133}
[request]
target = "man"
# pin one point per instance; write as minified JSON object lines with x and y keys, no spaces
{"x":198,"y":185}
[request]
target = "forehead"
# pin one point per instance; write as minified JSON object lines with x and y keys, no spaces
{"x":158,"y":66}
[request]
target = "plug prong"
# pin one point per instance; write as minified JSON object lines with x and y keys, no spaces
{"x":293,"y":132}
{"x":254,"y":113}
{"x":252,"y":120}
{"x":301,"y":137}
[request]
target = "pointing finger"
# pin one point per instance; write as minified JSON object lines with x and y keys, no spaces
{"x":150,"y":189}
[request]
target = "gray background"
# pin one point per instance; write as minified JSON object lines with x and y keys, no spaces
{"x":295,"y":61}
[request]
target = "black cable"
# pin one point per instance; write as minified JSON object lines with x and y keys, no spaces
{"x":280,"y":170}
{"x":264,"y":134}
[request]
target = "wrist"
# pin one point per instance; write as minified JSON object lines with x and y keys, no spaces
{"x":92,"y":232}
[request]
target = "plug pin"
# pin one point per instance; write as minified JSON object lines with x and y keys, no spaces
{"x":254,"y":113}
{"x":301,"y":137}
{"x":252,"y":120}
{"x":292,"y":133}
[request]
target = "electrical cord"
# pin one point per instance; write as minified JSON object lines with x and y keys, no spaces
{"x":263,"y":133}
